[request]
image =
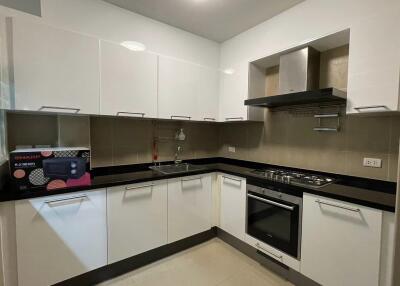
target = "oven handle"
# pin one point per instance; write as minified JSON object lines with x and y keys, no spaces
{"x":290,"y":208}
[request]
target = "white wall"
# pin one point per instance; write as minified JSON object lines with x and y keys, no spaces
{"x":307,"y":21}
{"x":105,"y":21}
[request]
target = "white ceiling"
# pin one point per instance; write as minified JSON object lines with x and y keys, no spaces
{"x":217,"y":20}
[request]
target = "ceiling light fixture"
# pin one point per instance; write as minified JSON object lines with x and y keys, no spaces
{"x":229,"y":71}
{"x":134,"y":46}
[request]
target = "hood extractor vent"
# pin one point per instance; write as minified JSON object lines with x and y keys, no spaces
{"x":299,"y":73}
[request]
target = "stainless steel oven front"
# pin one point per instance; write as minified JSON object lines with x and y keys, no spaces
{"x":275,"y":219}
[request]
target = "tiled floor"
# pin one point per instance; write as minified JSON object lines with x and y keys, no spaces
{"x":213,"y":263}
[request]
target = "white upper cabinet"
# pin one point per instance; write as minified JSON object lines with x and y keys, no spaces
{"x":61,"y":236}
{"x":233,"y":205}
{"x":234,"y":90}
{"x":233,"y":93}
{"x":207,"y":94}
{"x":137,"y":219}
{"x":177,"y":89}
{"x":55,"y":70}
{"x":128,"y":81}
{"x":374,"y":64}
{"x":341,"y":242}
{"x":189,"y":206}
{"x":187,"y":91}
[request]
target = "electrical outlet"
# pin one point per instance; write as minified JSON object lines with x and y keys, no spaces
{"x":231,"y":149}
{"x":372,"y":162}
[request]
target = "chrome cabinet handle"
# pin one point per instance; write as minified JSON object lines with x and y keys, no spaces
{"x":139,"y":187}
{"x":180,"y":116}
{"x":233,"y":118}
{"x":233,"y":179}
{"x":267,"y":251}
{"x":338,"y":206}
{"x":189,"y":180}
{"x":130,"y":113}
{"x":59,"y":108}
{"x":71,"y":199}
{"x":325,"y":129}
{"x":209,"y":119}
{"x":360,"y":108}
{"x":290,"y":208}
{"x":333,"y":115}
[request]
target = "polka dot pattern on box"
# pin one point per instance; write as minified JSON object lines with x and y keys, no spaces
{"x":37,"y":178}
{"x":86,"y":155}
{"x":64,"y":154}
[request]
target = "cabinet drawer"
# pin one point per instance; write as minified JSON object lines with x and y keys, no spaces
{"x":273,"y":253}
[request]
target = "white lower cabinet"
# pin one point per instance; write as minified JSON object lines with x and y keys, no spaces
{"x":189,"y":206}
{"x":137,"y":219}
{"x":341,"y":242}
{"x":387,"y":249}
{"x":233,"y":205}
{"x":60,"y":236}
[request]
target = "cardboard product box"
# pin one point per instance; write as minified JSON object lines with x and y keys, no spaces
{"x":50,"y":168}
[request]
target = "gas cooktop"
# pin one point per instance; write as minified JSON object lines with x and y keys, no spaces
{"x":293,"y":177}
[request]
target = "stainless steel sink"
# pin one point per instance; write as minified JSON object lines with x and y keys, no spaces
{"x":176,"y":168}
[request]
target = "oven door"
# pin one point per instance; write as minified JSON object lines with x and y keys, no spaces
{"x":274,"y":222}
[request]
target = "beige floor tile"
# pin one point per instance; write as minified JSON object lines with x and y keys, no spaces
{"x":209,"y":264}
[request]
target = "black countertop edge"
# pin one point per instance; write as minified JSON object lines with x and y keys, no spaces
{"x":96,"y":184}
{"x":298,"y":191}
{"x":358,"y":182}
{"x":131,"y":174}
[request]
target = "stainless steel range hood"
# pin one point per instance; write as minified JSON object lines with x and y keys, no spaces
{"x":299,"y":82}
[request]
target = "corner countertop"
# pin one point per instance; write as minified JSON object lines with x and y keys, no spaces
{"x":367,"y":192}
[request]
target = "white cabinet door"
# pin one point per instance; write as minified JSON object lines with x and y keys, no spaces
{"x":137,"y":219}
{"x":233,"y":205}
{"x":128,"y":82}
{"x":374,"y":64}
{"x":60,"y":236}
{"x":177,"y":87}
{"x":233,"y":93}
{"x":207,"y":94}
{"x":189,"y":206}
{"x":341,"y":242}
{"x":55,"y":70}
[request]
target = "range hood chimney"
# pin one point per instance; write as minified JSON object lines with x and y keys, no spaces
{"x":299,"y":82}
{"x":299,"y":71}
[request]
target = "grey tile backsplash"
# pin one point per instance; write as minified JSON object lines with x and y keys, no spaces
{"x":283,"y":139}
{"x":289,"y":140}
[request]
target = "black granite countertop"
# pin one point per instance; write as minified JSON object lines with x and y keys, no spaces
{"x":367,"y":192}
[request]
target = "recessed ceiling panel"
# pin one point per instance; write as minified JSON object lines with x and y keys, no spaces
{"x":217,"y":20}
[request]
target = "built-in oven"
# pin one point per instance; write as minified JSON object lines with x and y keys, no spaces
{"x":274,"y":218}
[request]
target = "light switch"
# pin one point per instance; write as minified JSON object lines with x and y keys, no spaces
{"x":231,"y":149}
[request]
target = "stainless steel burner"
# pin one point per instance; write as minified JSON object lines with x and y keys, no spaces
{"x":293,"y":177}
